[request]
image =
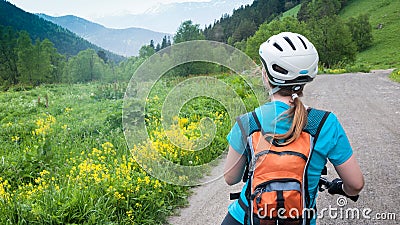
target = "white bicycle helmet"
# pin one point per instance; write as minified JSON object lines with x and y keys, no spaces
{"x":290,"y":59}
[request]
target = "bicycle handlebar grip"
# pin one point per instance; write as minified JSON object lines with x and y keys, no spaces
{"x":353,"y":198}
{"x":337,"y":188}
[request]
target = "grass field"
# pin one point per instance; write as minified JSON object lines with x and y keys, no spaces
{"x":68,"y":163}
{"x":386,"y":47}
{"x":395,"y":76}
{"x":292,"y":12}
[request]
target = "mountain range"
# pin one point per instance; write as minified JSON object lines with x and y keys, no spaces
{"x":167,"y":17}
{"x":65,"y":41}
{"x":126,"y":42}
{"x":71,"y":34}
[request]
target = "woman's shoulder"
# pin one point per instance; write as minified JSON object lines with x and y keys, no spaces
{"x":319,"y":118}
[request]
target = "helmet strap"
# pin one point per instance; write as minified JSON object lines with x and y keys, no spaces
{"x":274,"y":90}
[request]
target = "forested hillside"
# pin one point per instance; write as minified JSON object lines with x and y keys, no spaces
{"x":126,"y":42}
{"x":245,"y":20}
{"x":354,"y":35}
{"x":64,"y":41}
{"x":26,"y":62}
{"x":337,"y":39}
{"x":385,"y":21}
{"x":350,"y":35}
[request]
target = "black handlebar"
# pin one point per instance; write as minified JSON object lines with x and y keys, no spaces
{"x":325,"y":184}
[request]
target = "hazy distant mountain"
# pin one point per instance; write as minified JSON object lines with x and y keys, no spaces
{"x":65,"y":41}
{"x":125,"y":42}
{"x":168,"y":17}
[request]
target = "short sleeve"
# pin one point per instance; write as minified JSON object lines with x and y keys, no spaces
{"x":235,"y":139}
{"x":340,"y":148}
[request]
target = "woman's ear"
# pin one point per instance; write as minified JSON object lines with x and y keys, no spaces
{"x":264,"y":72}
{"x":265,"y":79}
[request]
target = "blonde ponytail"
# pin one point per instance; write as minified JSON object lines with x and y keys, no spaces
{"x":297,"y":113}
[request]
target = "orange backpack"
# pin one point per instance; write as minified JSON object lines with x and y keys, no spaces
{"x":277,"y":190}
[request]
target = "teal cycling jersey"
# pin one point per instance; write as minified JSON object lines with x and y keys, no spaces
{"x":332,"y":144}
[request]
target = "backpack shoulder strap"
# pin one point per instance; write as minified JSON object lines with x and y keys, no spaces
{"x":248,"y":124}
{"x":316,"y":120}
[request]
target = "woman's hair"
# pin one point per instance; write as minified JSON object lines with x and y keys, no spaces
{"x":297,"y":113}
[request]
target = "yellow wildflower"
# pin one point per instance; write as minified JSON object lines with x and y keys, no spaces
{"x":68,"y":109}
{"x":44,"y":173}
{"x":147,"y":180}
{"x":119,"y":196}
{"x":44,"y":125}
{"x":4,"y":185}
{"x":130,"y":214}
{"x":15,"y":138}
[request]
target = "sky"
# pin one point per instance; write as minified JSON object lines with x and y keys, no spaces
{"x":91,"y":9}
{"x":120,"y":14}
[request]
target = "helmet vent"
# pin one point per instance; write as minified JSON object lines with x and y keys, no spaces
{"x":278,"y":47}
{"x":290,"y":42}
{"x":279,"y":69}
{"x":305,"y":46}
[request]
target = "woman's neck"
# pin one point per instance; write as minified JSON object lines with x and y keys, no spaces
{"x":285,"y":99}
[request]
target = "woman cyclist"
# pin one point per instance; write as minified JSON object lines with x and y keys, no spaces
{"x":289,"y":62}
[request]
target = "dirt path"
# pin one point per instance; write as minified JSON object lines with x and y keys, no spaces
{"x":368,"y":106}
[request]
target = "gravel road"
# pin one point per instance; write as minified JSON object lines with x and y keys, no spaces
{"x":368,"y":106}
